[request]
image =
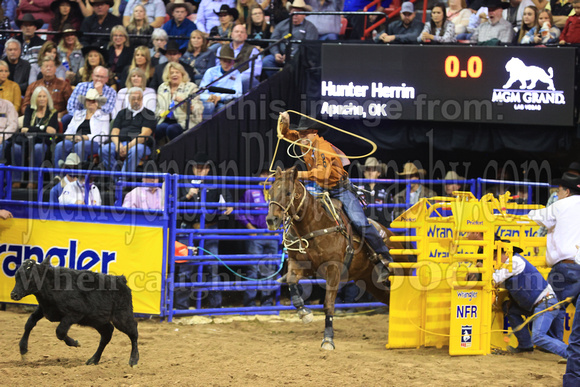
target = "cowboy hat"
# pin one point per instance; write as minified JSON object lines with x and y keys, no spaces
{"x":28,"y":18}
{"x":372,"y":162}
{"x":299,"y":4}
{"x":100,"y":50}
{"x":226,"y":52}
{"x":93,"y":95}
{"x":172,"y":45}
{"x":110,"y":3}
{"x":491,"y":4}
{"x":570,"y":181}
{"x":410,"y":169}
{"x":201,"y":158}
{"x":72,"y":161}
{"x":516,"y":250}
{"x":230,"y":11}
{"x":179,"y":3}
{"x":574,"y":166}
{"x":452,"y":175}
{"x":307,"y":123}
{"x":55,"y":4}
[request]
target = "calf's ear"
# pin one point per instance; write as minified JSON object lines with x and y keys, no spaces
{"x":46,"y":261}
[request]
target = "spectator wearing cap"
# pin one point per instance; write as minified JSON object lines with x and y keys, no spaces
{"x":497,"y":30}
{"x":416,"y":191}
{"x":100,"y":21}
{"x":74,"y":193}
{"x":530,"y":294}
{"x":19,"y":68}
{"x":9,"y":90}
{"x":30,"y":43}
{"x":328,"y":26}
{"x":69,"y":166}
{"x":375,"y":193}
{"x":184,"y":272}
{"x":179,"y":24}
{"x":131,"y":134}
{"x":207,"y":14}
{"x":242,"y":52}
{"x":454,"y":182}
{"x":88,"y":129}
{"x":8,"y":124}
{"x":173,"y":53}
{"x":59,"y":89}
{"x":154,"y":9}
{"x":302,"y":29}
{"x":259,"y":247}
{"x":215,"y":101}
{"x":148,"y":197}
{"x":227,"y":17}
{"x":176,"y":88}
{"x":406,"y":30}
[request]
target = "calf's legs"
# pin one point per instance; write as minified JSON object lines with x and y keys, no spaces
{"x":106,"y":332}
{"x":31,"y":323}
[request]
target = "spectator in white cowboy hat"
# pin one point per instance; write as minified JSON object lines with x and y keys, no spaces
{"x":69,"y":166}
{"x":207,"y":14}
{"x":302,"y":29}
{"x":416,"y":191}
{"x":100,"y":21}
{"x":88,"y":129}
{"x":31,"y":43}
{"x":179,"y":24}
{"x":453,"y":185}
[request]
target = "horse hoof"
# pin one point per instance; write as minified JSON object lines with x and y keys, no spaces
{"x":307,"y":318}
{"x":327,"y":344}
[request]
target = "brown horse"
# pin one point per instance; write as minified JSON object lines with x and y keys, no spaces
{"x":317,"y":245}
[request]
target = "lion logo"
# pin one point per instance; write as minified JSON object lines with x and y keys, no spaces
{"x":519,"y":72}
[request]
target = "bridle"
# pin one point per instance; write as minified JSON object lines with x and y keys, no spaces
{"x":296,"y":210}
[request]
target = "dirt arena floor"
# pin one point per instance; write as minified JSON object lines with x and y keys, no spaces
{"x":262,"y":351}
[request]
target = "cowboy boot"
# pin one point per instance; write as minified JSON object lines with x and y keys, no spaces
{"x":384,"y":269}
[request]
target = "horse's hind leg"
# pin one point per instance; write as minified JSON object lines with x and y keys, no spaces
{"x":332,"y":276}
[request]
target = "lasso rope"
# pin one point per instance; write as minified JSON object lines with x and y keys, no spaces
{"x":244,"y":277}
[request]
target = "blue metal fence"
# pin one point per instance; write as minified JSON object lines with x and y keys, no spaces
{"x":228,"y":281}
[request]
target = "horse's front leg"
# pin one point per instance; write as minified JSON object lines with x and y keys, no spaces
{"x":294,"y":275}
{"x":332,"y":276}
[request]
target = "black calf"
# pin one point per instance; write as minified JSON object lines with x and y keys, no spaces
{"x":77,"y":297}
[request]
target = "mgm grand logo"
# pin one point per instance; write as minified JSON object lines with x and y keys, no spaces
{"x":531,"y":80}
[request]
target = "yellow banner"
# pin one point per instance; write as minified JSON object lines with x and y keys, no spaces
{"x":133,"y":251}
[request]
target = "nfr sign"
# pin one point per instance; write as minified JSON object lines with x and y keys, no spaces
{"x":466,"y":311}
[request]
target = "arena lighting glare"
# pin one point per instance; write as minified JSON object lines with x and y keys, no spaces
{"x":508,"y":85}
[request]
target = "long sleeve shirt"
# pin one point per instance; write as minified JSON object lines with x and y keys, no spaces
{"x":571,"y":31}
{"x":502,"y":30}
{"x":502,"y":274}
{"x":184,"y":29}
{"x":448,"y":34}
{"x":206,"y":13}
{"x":402,"y":33}
{"x":233,"y":81}
{"x":304,"y":31}
{"x":145,"y":198}
{"x":60,"y":92}
{"x":324,"y":167}
{"x":561,"y":220}
{"x":237,"y":51}
{"x":326,"y":24}
{"x":73,"y":102}
{"x":91,"y":24}
{"x":255,"y":196}
{"x":8,"y":120}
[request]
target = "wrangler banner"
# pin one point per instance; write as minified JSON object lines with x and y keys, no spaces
{"x":133,"y":251}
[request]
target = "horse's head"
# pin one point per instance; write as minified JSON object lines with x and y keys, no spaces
{"x":282,"y":194}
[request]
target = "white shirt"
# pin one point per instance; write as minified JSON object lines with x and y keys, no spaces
{"x":75,"y":191}
{"x":501,"y":275}
{"x":562,"y":219}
